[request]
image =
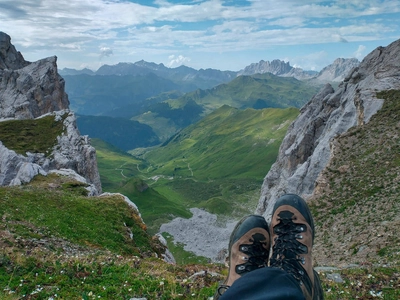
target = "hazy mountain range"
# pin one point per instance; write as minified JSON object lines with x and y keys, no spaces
{"x":168,"y":99}
{"x":206,"y":78}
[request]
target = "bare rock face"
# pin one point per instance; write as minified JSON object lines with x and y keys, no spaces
{"x":306,"y":148}
{"x":74,"y":152}
{"x":72,"y":156}
{"x":336,"y":71}
{"x":276,"y":67}
{"x":30,"y":91}
{"x":10,"y":58}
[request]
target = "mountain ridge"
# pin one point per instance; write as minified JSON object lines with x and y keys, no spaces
{"x":333,"y":72}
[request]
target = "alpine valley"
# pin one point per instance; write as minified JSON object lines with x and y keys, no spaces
{"x":126,"y":182}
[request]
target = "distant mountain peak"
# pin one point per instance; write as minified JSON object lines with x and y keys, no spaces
{"x":276,"y":67}
{"x":334,"y":72}
{"x":337,"y":71}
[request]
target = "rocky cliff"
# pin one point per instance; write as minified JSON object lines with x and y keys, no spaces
{"x":306,"y":148}
{"x":33,"y":90}
{"x":337,"y":71}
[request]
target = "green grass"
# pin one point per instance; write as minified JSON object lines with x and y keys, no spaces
{"x":154,"y":207}
{"x":100,"y":276}
{"x":115,"y":166}
{"x":56,"y":243}
{"x":228,"y":143}
{"x":103,"y":222}
{"x":35,"y":136}
{"x":363,"y":283}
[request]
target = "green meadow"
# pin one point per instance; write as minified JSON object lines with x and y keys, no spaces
{"x":217,"y":164}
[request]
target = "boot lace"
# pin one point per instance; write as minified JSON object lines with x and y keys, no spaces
{"x":256,"y":254}
{"x":287,"y":248}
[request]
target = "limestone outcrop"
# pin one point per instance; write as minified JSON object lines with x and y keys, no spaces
{"x":306,"y":148}
{"x":31,"y":90}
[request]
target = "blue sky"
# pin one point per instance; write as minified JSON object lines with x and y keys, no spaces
{"x":220,"y":34}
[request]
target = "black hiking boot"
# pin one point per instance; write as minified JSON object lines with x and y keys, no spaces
{"x":249,"y":247}
{"x":292,"y":235}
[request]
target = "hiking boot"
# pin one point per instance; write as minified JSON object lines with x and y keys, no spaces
{"x":249,"y":246}
{"x":292,"y":235}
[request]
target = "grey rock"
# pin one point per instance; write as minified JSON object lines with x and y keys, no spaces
{"x":202,"y":234}
{"x":306,"y":148}
{"x":325,"y":269}
{"x":337,"y":71}
{"x":32,"y":91}
{"x":335,"y":277}
{"x":167,"y":256}
{"x":276,"y":67}
{"x":10,"y":58}
{"x":74,"y":152}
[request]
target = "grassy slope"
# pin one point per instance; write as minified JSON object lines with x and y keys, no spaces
{"x":263,"y":90}
{"x":85,"y":221}
{"x":57,"y":243}
{"x":121,"y":172}
{"x":257,"y":91}
{"x":215,"y":163}
{"x":357,"y":209}
{"x":362,"y":179}
{"x":229,"y":143}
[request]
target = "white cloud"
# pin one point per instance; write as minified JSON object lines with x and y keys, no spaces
{"x":202,"y":26}
{"x":176,"y":61}
{"x":359,"y":53}
{"x":288,"y":22}
{"x":105,"y":51}
{"x":313,"y":61}
{"x":339,"y":38}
